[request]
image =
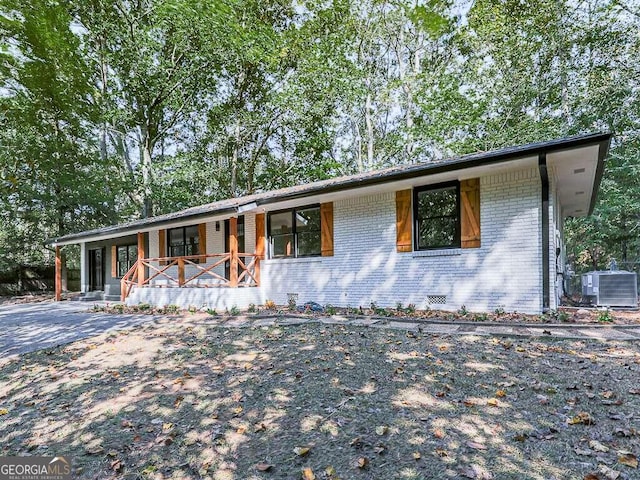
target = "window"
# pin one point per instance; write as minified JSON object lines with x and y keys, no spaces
{"x":295,"y":233}
{"x":183,"y":241}
{"x":437,"y":216}
{"x":126,"y":256}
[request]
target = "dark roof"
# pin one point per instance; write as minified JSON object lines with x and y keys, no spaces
{"x":347,"y":182}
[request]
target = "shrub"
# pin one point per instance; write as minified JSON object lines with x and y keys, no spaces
{"x":499,"y":311}
{"x":212,"y":312}
{"x":172,"y":309}
{"x":605,"y":316}
{"x":144,"y":307}
{"x":252,"y":308}
{"x":234,"y":311}
{"x":270,"y":305}
{"x":411,"y":309}
{"x":462,"y":311}
{"x":330,"y":309}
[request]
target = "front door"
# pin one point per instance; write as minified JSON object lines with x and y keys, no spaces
{"x":227,"y":265}
{"x":96,"y":269}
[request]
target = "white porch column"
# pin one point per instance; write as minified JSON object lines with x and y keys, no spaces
{"x":84,"y":287}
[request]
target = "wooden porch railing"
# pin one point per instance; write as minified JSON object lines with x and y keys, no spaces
{"x":161,"y":273}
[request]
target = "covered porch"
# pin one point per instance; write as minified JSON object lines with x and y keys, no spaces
{"x":221,"y":253}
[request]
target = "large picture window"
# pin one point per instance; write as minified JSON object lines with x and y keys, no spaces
{"x":295,"y":232}
{"x":183,"y":241}
{"x":437,"y":216}
{"x":126,"y":256}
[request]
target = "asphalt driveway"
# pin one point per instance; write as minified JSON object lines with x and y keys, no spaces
{"x":33,"y":326}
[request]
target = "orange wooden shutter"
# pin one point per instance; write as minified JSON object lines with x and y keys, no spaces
{"x":403,"y":221}
{"x":470,"y":213}
{"x":202,"y":240}
{"x":326,"y":229}
{"x":114,"y":261}
{"x":260,"y":240}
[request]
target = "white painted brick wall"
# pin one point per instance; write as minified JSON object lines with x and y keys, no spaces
{"x":505,"y":271}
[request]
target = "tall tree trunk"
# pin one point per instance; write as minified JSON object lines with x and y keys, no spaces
{"x":147,"y":148}
{"x":368,"y":113}
{"x":235,"y":157}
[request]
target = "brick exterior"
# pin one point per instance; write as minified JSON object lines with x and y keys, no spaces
{"x":504,"y":272}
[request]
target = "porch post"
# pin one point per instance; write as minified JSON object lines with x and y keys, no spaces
{"x":140,"y":258}
{"x":58,"y":275}
{"x":83,"y":268}
{"x":233,"y":250}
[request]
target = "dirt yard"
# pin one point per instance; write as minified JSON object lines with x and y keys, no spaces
{"x":196,"y":398}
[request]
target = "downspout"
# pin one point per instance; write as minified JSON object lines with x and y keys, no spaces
{"x":544,"y":178}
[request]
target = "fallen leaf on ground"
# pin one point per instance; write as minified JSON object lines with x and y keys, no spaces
{"x":416,"y":455}
{"x":581,"y":418}
{"x":492,"y":402}
{"x":3,"y":411}
{"x":438,"y":433}
{"x":609,"y":473}
{"x":307,"y":474}
{"x":628,"y":459}
{"x":116,"y":466}
{"x":597,"y":446}
{"x":476,"y":446}
{"x":501,"y":393}
{"x":382,"y":430}
{"x":301,"y":451}
{"x":586,"y":452}
{"x":264,"y":467}
{"x":476,"y":472}
{"x":362,"y":462}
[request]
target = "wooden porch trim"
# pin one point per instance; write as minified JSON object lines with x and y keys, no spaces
{"x":233,"y":250}
{"x":140,"y":256}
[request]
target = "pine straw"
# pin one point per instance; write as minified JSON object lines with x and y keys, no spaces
{"x":195,"y":398}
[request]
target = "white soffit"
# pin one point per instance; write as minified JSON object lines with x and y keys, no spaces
{"x":575,"y":174}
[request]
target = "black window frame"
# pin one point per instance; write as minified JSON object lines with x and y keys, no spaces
{"x":128,"y":261}
{"x":416,"y":237}
{"x":169,"y":247}
{"x":294,"y":231}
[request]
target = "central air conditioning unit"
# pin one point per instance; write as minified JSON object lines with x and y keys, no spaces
{"x":610,"y":288}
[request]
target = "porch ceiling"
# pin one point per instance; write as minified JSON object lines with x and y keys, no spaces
{"x":577,"y":174}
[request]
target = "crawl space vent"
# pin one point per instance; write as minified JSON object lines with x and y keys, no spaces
{"x":436,"y":299}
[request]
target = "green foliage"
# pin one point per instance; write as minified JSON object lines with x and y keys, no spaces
{"x":462,"y":311}
{"x":252,"y":308}
{"x":604,"y":316}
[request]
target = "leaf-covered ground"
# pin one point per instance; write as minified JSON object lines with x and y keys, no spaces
{"x":198,"y":398}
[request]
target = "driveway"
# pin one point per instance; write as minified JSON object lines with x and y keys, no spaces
{"x":33,"y":326}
